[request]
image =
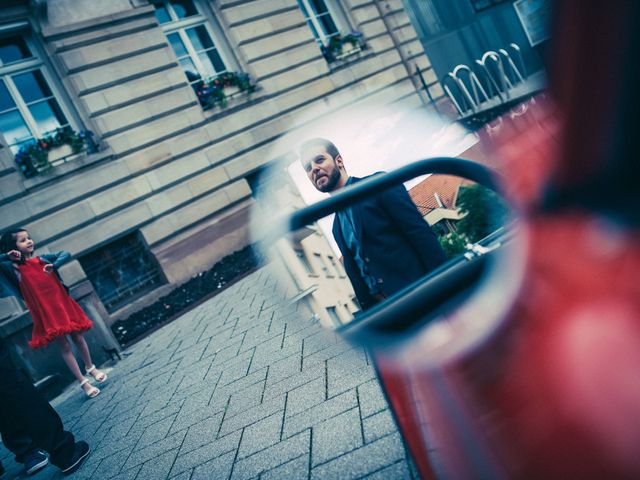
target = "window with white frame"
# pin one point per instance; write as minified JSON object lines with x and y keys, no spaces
{"x":29,"y":106}
{"x":331,"y":29}
{"x":192,"y":38}
{"x":325,"y":19}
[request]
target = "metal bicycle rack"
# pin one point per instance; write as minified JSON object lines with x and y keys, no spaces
{"x":500,"y":73}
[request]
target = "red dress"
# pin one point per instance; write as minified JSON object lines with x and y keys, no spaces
{"x":53,"y":311}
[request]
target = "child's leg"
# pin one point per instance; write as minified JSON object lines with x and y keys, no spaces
{"x":69,"y":358}
{"x":83,"y":348}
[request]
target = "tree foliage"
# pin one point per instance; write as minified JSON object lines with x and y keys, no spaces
{"x":484,"y":212}
{"x":453,"y":244}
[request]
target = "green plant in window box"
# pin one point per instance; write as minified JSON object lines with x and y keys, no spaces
{"x":340,"y":46}
{"x":216,"y":91}
{"x":34,"y":158}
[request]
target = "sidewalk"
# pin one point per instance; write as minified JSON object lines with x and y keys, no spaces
{"x":244,"y":386}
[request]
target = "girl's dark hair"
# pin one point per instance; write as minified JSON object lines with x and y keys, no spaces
{"x":8,"y":239}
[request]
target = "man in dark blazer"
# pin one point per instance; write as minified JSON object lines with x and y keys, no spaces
{"x":385,"y":243}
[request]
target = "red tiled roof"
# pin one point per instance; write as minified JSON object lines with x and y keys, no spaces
{"x":446,"y":186}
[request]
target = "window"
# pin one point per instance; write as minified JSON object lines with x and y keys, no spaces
{"x":320,"y":20}
{"x":335,"y":266}
{"x":29,"y":108}
{"x":333,"y":315}
{"x":331,"y":29}
{"x":323,"y":265}
{"x":122,"y":271}
{"x":479,"y":5}
{"x":192,"y":39}
{"x":305,"y":261}
{"x":425,"y":17}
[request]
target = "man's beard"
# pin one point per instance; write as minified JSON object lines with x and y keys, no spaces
{"x":332,"y":180}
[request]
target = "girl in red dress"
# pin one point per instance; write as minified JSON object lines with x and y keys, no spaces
{"x":55,"y":314}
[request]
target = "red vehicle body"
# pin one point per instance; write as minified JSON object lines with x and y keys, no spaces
{"x":549,"y":386}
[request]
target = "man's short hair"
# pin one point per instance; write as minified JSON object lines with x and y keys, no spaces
{"x":327,"y":145}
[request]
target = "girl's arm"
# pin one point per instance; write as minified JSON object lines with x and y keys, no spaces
{"x":9,"y":256}
{"x":57,"y":259}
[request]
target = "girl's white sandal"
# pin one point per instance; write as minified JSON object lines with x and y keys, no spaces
{"x":100,"y":377}
{"x":91,"y":392}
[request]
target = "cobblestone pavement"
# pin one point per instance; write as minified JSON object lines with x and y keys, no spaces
{"x":244,"y":386}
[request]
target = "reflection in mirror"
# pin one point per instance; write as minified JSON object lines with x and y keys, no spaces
{"x":362,"y":257}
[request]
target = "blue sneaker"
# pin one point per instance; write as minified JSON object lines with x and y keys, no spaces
{"x":35,"y":461}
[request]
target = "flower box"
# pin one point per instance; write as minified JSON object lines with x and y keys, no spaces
{"x":216,"y":91}
{"x":59,"y":153}
{"x":41,"y":154}
{"x":340,"y":47}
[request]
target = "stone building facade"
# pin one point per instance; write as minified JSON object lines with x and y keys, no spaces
{"x":165,"y":189}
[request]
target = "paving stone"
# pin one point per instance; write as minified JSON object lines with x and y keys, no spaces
{"x":371,"y":398}
{"x":336,"y":436}
{"x":158,"y":466}
{"x":130,"y":474}
{"x":154,"y":450}
{"x":190,"y":355}
{"x":397,"y":471}
{"x":378,"y":425}
{"x":183,"y":476}
{"x":347,"y":371}
{"x":219,"y":467}
{"x":294,"y":381}
{"x":193,"y":374}
{"x":155,"y":432}
{"x":362,"y":461}
{"x":284,"y":368}
{"x":187,"y":418}
{"x":253,"y":415}
{"x":296,"y":468}
{"x":169,"y":410}
{"x":306,"y":396}
{"x":213,"y":449}
{"x":318,"y":341}
{"x":198,"y":399}
{"x":236,"y":369}
{"x":223,"y":392}
{"x":109,"y":466}
{"x":246,"y":398}
{"x":271,"y":457}
{"x":201,"y":433}
{"x":325,"y":354}
{"x":319,"y":413}
{"x":261,"y":435}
